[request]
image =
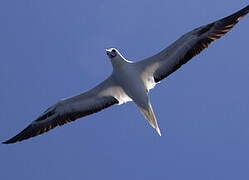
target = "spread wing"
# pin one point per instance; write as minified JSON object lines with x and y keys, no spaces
{"x":102,"y":96}
{"x":186,"y":47}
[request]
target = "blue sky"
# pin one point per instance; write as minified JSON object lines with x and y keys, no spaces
{"x":54,"y":49}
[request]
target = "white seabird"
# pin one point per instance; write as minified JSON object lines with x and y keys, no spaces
{"x":131,"y":81}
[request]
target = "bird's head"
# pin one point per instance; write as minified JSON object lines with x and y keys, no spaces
{"x":112,"y":53}
{"x":116,"y":58}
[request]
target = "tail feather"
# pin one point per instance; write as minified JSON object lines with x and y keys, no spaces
{"x":150,"y":116}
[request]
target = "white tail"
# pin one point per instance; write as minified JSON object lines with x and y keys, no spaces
{"x":150,"y":116}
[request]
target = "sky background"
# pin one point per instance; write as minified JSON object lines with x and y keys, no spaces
{"x":52,"y":49}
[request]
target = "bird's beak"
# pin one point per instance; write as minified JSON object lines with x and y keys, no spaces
{"x":108,"y":52}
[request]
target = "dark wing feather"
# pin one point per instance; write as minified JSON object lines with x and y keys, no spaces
{"x":189,"y":45}
{"x":68,"y":110}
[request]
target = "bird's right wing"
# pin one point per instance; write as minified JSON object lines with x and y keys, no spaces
{"x":102,"y":96}
{"x":159,"y":66}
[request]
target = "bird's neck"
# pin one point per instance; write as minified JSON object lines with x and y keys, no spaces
{"x":119,"y":62}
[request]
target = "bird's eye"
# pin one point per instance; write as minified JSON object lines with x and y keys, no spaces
{"x":113,"y":51}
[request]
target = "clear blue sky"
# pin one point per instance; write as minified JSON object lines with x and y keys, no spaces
{"x":54,"y":49}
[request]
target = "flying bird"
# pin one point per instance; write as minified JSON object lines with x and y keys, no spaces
{"x":131,"y":81}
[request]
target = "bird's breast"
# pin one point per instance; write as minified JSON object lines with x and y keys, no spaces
{"x":130,"y":80}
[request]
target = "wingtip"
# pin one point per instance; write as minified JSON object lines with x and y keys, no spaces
{"x":5,"y":142}
{"x":11,"y":140}
{"x":8,"y":142}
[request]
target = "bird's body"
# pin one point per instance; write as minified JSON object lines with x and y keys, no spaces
{"x":131,"y":81}
{"x":128,"y":76}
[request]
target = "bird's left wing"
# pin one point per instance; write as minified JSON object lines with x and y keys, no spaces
{"x":102,"y":96}
{"x":159,"y":66}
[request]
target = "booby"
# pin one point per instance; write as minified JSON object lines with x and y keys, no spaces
{"x":131,"y":81}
